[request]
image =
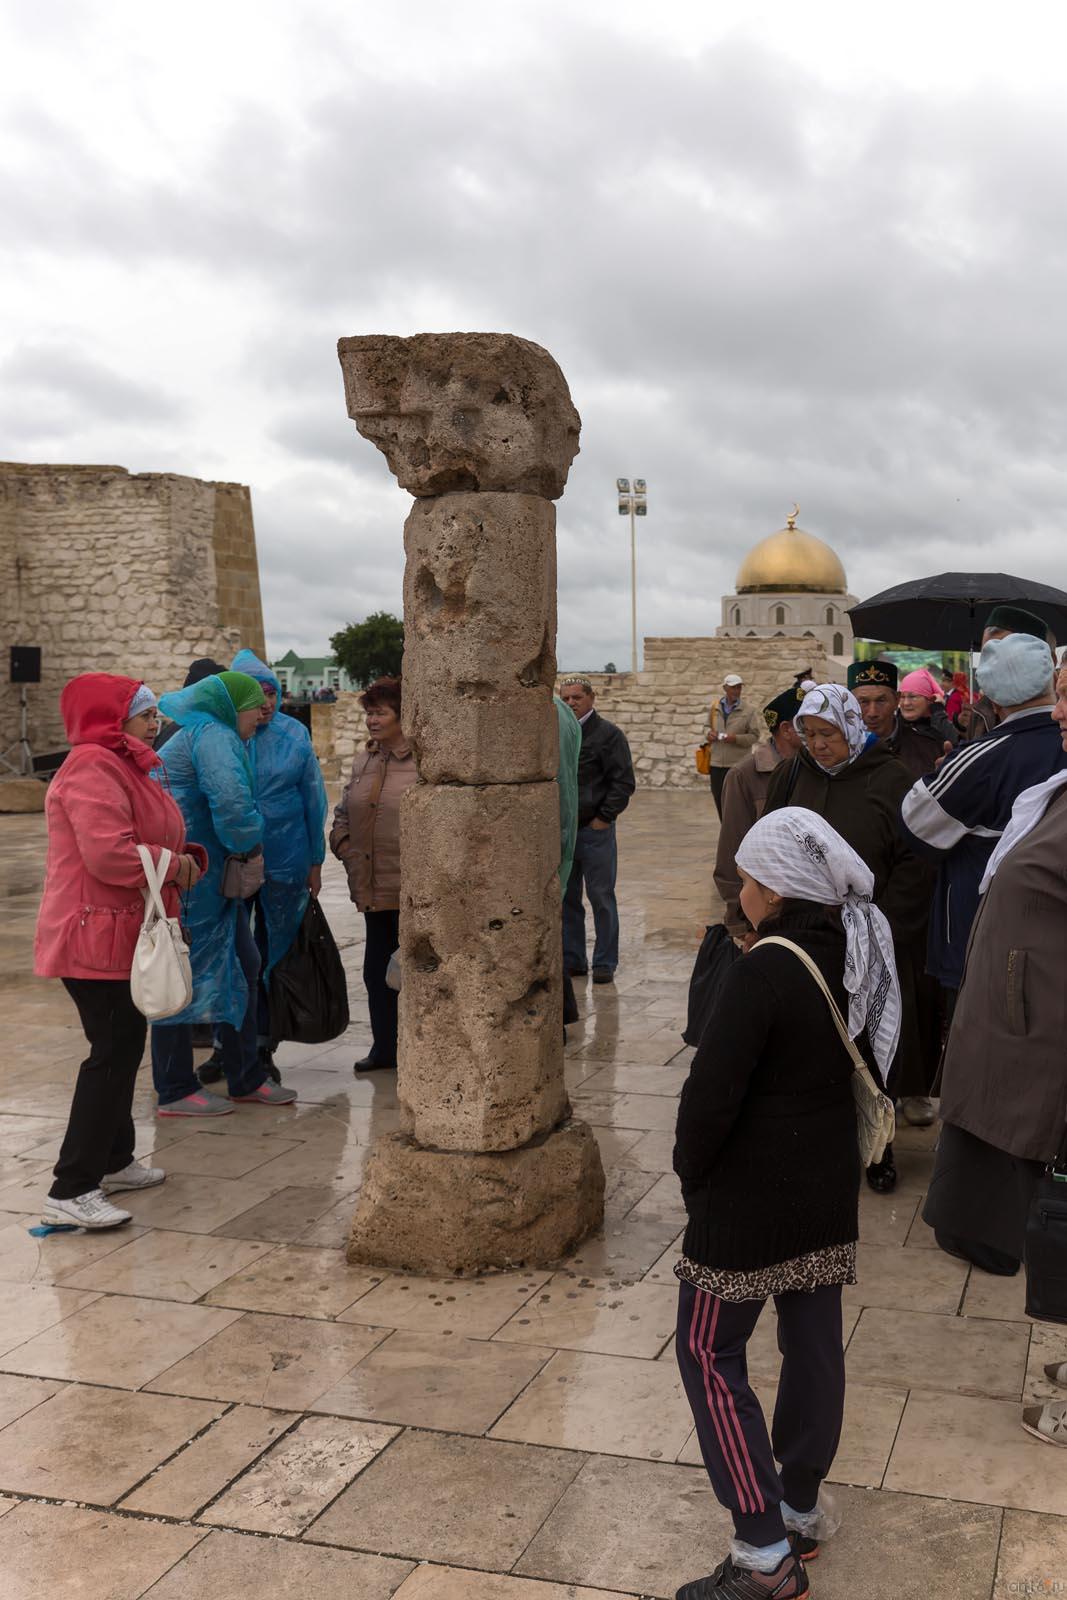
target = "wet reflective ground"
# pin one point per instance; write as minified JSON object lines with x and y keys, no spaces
{"x":210,"y":1402}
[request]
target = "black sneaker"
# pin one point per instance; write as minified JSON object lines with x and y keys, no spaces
{"x":368,"y":1064}
{"x":603,"y":975}
{"x":212,"y":1069}
{"x":882,"y":1175}
{"x":577,"y":972}
{"x":807,"y":1549}
{"x":788,"y":1581}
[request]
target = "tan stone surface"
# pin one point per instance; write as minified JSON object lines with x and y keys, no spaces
{"x":480,"y":622}
{"x":455,"y":1583}
{"x":458,"y":1479}
{"x":914,"y":1349}
{"x":613,"y":1404}
{"x":481,"y":1054}
{"x":95,"y":1444}
{"x":476,"y":1307}
{"x":170,"y":1266}
{"x":299,"y":1476}
{"x":1033,"y":1555}
{"x":612,"y":1319}
{"x":57,"y":1550}
{"x":184,"y":1485}
{"x":964,"y":1447}
{"x":434,"y":1211}
{"x":435,"y":1380}
{"x":241,"y":1567}
{"x":463,"y":411}
{"x":21,"y":794}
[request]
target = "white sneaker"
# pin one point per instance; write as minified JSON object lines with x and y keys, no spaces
{"x":92,"y":1210}
{"x":919,"y":1110}
{"x":132,"y":1177}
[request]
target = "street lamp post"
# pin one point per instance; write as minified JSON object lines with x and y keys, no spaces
{"x":635,"y":502}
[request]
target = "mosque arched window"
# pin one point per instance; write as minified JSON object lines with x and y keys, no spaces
{"x":735,"y":616}
{"x":839,"y":645}
{"x":830,"y":614}
{"x":779,"y":614}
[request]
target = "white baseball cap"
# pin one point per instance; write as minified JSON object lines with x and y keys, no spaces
{"x":730,"y":679}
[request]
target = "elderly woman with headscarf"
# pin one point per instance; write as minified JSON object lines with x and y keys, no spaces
{"x":291,"y":797}
{"x":210,"y":773}
{"x":926,"y":734}
{"x":850,"y":778}
{"x":767,"y":1153}
{"x":100,"y":806}
{"x":1004,"y":1080}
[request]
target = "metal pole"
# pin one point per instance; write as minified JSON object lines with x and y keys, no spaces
{"x":633,"y":582}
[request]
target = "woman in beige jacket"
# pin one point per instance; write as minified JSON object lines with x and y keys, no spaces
{"x":366,"y":837}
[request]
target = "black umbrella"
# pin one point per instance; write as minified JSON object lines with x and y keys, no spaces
{"x":949,"y":611}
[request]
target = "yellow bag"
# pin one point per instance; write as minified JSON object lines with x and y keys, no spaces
{"x":703,"y":759}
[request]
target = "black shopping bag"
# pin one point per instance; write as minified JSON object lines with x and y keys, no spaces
{"x":715,"y":957}
{"x":309,"y":985}
{"x":1046,"y":1245}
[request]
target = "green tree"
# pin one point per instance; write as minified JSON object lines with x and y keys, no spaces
{"x":370,"y":649}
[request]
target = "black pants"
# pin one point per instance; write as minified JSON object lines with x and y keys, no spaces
{"x":717,"y":777}
{"x":100,"y":1136}
{"x":738,"y":1455}
{"x":383,"y":936}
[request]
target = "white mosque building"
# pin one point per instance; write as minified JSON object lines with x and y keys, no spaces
{"x":791,"y":584}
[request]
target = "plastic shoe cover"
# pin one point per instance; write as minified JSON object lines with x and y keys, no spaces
{"x":820,"y":1523}
{"x":758,"y":1558}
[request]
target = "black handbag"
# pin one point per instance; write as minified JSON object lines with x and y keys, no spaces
{"x":309,"y":985}
{"x":1045,"y":1255}
{"x":715,"y":957}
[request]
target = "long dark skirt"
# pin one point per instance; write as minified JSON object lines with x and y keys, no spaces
{"x":979,"y":1193}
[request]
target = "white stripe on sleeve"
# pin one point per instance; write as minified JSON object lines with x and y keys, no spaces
{"x":926,"y":819}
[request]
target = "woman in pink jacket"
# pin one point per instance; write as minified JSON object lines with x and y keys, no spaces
{"x":101,"y":805}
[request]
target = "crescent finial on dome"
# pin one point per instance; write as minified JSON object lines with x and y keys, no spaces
{"x":791,"y":520}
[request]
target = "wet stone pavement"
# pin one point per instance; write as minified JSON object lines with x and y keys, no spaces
{"x":211,"y":1402}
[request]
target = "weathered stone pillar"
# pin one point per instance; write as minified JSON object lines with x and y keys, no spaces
{"x":490,"y":1169}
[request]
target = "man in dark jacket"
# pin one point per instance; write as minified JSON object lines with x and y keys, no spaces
{"x":919,"y":745}
{"x":605,"y":784}
{"x":980,"y":718}
{"x":956,"y":815}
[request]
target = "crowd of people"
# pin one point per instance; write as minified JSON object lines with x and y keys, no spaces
{"x":229,"y":801}
{"x":906,"y":844}
{"x":891,"y":864}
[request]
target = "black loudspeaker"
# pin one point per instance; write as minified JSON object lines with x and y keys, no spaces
{"x":25,"y":663}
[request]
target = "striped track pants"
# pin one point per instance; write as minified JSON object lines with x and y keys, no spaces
{"x":739,"y":1456}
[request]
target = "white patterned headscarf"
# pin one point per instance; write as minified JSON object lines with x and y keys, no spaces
{"x":839,"y":706}
{"x":796,"y":853}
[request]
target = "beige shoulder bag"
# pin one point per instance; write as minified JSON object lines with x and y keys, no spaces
{"x":875,"y":1116}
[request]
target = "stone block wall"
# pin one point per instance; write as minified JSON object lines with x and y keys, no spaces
{"x":663,"y":710}
{"x":114,"y":571}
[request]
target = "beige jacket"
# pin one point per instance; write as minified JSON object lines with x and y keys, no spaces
{"x":748,"y":728}
{"x":744,"y":795}
{"x":366,"y":825}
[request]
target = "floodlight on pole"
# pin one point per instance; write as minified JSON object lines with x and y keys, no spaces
{"x":633,"y":502}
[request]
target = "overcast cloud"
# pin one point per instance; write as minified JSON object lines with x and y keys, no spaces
{"x":775,"y":262}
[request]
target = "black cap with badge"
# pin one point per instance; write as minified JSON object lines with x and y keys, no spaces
{"x":783,"y":708}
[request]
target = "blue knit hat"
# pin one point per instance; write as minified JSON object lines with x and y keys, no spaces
{"x":1015,"y":669}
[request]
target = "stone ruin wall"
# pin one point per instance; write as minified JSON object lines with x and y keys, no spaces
{"x":114,"y":571}
{"x":663,"y":710}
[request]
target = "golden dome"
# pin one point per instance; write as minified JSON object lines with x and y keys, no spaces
{"x":789,"y":562}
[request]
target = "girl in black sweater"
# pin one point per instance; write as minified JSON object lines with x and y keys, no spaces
{"x":766,"y":1150}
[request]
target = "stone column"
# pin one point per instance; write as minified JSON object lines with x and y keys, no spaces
{"x":490,"y":1169}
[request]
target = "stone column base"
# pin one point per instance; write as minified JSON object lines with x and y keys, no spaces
{"x":444,"y":1211}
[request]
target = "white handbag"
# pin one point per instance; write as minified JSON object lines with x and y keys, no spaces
{"x":161,"y":978}
{"x":875,"y":1113}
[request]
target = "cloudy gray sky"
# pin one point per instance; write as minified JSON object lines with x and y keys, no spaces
{"x":793,"y":255}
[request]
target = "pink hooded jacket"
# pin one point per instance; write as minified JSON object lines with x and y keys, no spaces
{"x":100,"y":805}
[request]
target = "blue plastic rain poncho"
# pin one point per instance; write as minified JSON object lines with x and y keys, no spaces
{"x":209,"y":772}
{"x":291,"y":796}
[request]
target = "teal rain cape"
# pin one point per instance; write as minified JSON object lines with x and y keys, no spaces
{"x":209,"y":772}
{"x":570,"y":748}
{"x":291,"y":796}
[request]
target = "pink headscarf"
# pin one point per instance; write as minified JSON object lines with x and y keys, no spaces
{"x":922,"y":682}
